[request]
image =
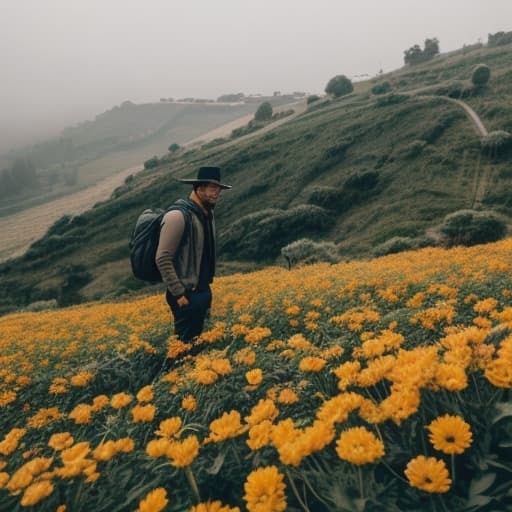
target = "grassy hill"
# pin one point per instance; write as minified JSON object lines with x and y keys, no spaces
{"x":357,"y":172}
{"x":365,"y":386}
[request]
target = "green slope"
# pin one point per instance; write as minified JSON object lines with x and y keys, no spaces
{"x":356,"y":171}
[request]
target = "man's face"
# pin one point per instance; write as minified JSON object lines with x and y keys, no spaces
{"x":209,"y":193}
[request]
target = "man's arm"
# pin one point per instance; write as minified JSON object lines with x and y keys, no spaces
{"x":173,"y":226}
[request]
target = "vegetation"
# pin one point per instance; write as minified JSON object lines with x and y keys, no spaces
{"x":361,"y":386}
{"x":339,"y":86}
{"x":264,"y":112}
{"x":499,"y":39}
{"x":373,"y":168}
{"x":416,"y":55}
{"x":306,"y":251}
{"x":382,"y":88}
{"x":481,"y":75}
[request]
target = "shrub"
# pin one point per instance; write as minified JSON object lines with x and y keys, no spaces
{"x":414,"y":148}
{"x":151,"y":163}
{"x":496,"y":141}
{"x":338,"y":86}
{"x":391,"y":99}
{"x":381,"y":88}
{"x":312,"y":99}
{"x":307,"y":251}
{"x":173,"y":148}
{"x":470,"y":227}
{"x":396,"y":244}
{"x":264,"y":112}
{"x":499,"y":39}
{"x":481,"y":75}
{"x":260,"y":236}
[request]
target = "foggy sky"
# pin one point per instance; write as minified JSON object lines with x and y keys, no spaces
{"x":64,"y":61}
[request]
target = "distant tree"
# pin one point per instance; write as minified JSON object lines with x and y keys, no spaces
{"x":151,"y":163}
{"x":264,"y":112}
{"x":431,"y":48}
{"x":312,"y":98}
{"x":481,"y":75}
{"x":499,"y":38}
{"x":339,"y":86}
{"x":381,"y":88}
{"x":173,"y":147}
{"x":415,"y":55}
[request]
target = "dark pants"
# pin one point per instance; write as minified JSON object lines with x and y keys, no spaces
{"x":189,"y":319}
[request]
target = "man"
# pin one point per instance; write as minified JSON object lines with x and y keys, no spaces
{"x":186,"y":253}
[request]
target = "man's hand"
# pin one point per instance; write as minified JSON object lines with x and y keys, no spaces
{"x":182,"y":301}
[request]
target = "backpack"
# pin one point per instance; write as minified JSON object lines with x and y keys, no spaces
{"x":145,"y":237}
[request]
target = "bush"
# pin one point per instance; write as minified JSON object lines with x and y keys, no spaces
{"x":338,"y":86}
{"x":470,"y":227}
{"x":414,"y":149}
{"x":496,"y":141}
{"x":499,"y":39}
{"x":264,"y":112}
{"x":173,"y":148}
{"x":381,"y":88}
{"x":481,"y":75}
{"x":391,"y":99}
{"x":312,"y":99}
{"x":151,"y":163}
{"x":396,"y":244}
{"x":260,"y":236}
{"x":307,"y":251}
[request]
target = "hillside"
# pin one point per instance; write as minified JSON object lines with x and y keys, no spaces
{"x":357,"y":172}
{"x":356,"y":387}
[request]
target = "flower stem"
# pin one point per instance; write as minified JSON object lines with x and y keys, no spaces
{"x":361,"y":486}
{"x":453,"y":468}
{"x":193,"y":483}
{"x":296,"y":492}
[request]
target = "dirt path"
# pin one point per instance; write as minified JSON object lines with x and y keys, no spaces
{"x":19,"y":230}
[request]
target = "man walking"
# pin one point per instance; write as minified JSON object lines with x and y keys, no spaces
{"x":186,"y":253}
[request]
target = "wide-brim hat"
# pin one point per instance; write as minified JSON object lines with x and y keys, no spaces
{"x":207,"y":175}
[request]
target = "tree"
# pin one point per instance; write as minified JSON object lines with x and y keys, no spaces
{"x":264,"y":112}
{"x":415,"y":55}
{"x":339,"y":86}
{"x":481,"y":75}
{"x":173,"y":148}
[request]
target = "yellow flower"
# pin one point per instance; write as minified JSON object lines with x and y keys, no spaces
{"x":105,"y":451}
{"x":158,"y":447}
{"x":120,"y":400}
{"x":189,"y":403}
{"x":222,"y":366}
{"x":312,"y":364}
{"x":359,"y":446}
{"x":125,"y":445}
{"x":337,"y":409}
{"x":43,"y":417}
{"x":81,"y":379}
{"x":36,"y":492}
{"x":265,"y":490}
{"x":11,"y":440}
{"x":428,"y":474}
{"x":213,"y":506}
{"x":205,"y":377}
{"x":245,"y":356}
{"x":145,"y":394}
{"x":183,"y":453}
{"x":7,"y":397}
{"x":450,"y":434}
{"x":142,"y":413}
{"x":287,"y":396}
{"x":347,"y":374}
{"x":228,"y":425}
{"x":259,"y":435}
{"x":81,"y":414}
{"x":61,"y":441}
{"x":451,"y":377}
{"x":254,"y":377}
{"x":169,"y":427}
{"x":283,"y":432}
{"x":99,"y":402}
{"x":4,"y":478}
{"x":155,"y":501}
{"x":263,"y":410}
{"x":76,"y":453}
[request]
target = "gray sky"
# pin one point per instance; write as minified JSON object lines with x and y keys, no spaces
{"x":63,"y":61}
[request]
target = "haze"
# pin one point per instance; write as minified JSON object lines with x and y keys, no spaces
{"x":65,"y":61}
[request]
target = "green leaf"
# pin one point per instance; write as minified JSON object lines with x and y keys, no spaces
{"x":217,"y":464}
{"x":477,"y":501}
{"x":504,"y":411}
{"x":480,"y":485}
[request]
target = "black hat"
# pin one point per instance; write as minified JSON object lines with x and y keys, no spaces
{"x":207,"y":175}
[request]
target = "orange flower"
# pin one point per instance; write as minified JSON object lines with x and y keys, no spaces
{"x":143,"y":413}
{"x":359,"y":446}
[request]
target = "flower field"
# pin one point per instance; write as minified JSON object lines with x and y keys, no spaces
{"x":362,"y":386}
